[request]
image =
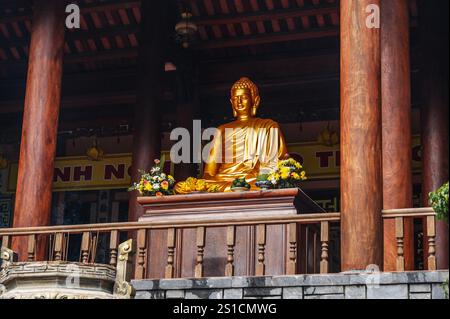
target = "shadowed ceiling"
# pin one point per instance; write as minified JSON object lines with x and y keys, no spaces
{"x":290,"y":48}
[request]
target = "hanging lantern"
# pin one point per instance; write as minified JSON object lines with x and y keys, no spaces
{"x":94,"y":152}
{"x":185,"y":29}
{"x":328,"y":137}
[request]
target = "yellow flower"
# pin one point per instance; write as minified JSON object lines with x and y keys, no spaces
{"x":303,"y":175}
{"x":284,"y":172}
{"x":165,"y":185}
{"x":213,"y":189}
{"x":185,"y":188}
{"x":191,"y":184}
{"x":201,"y":185}
{"x":295,"y":176}
{"x":148,"y":187}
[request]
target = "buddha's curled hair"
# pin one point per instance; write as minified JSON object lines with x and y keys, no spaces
{"x":246,"y":83}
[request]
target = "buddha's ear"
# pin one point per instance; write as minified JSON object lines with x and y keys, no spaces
{"x":256,"y":105}
{"x":232,"y":106}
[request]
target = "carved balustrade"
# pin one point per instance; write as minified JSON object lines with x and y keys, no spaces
{"x":60,"y":236}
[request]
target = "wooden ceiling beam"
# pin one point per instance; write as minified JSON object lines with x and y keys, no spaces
{"x":14,"y":4}
{"x":103,"y":99}
{"x":211,"y":44}
{"x":218,"y":70}
{"x":78,"y":35}
{"x":84,"y":57}
{"x":267,"y":38}
{"x":85,"y":8}
{"x":291,"y":84}
{"x":266,"y":15}
{"x":109,"y":6}
{"x":128,"y":97}
{"x":101,"y":55}
{"x":222,"y":43}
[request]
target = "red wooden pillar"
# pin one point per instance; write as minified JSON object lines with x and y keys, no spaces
{"x":361,"y":184}
{"x":147,"y":129}
{"x":396,"y":132}
{"x":434,"y":111}
{"x":40,"y":121}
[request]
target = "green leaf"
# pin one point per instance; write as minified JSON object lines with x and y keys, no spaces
{"x":262,"y":177}
{"x":162,"y":162}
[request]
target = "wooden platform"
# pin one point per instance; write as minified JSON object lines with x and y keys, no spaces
{"x":218,"y":206}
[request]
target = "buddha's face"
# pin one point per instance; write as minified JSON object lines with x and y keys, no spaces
{"x":242,"y":102}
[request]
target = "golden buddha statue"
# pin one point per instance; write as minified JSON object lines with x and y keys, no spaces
{"x":243,"y":148}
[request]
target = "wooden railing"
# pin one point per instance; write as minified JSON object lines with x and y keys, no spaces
{"x":430,"y":232}
{"x":59,"y":237}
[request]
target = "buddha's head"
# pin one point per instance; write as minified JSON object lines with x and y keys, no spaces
{"x":244,"y":98}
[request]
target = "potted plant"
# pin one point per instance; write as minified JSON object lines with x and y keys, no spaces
{"x":240,"y":185}
{"x":262,"y":181}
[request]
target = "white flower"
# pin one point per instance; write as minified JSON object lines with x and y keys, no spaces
{"x":155,"y":169}
{"x":156,"y":186}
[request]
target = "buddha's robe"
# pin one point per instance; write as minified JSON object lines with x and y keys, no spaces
{"x":242,"y":149}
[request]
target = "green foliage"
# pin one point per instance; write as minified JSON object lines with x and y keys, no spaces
{"x":445,"y":287}
{"x":439,"y":202}
{"x":262,"y":177}
{"x":162,"y":162}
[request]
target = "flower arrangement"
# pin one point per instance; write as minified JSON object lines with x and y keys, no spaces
{"x":155,"y":183}
{"x":288,"y":174}
{"x":193,"y":184}
{"x":240,"y":184}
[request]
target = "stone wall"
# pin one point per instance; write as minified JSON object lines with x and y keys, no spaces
{"x":403,"y":285}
